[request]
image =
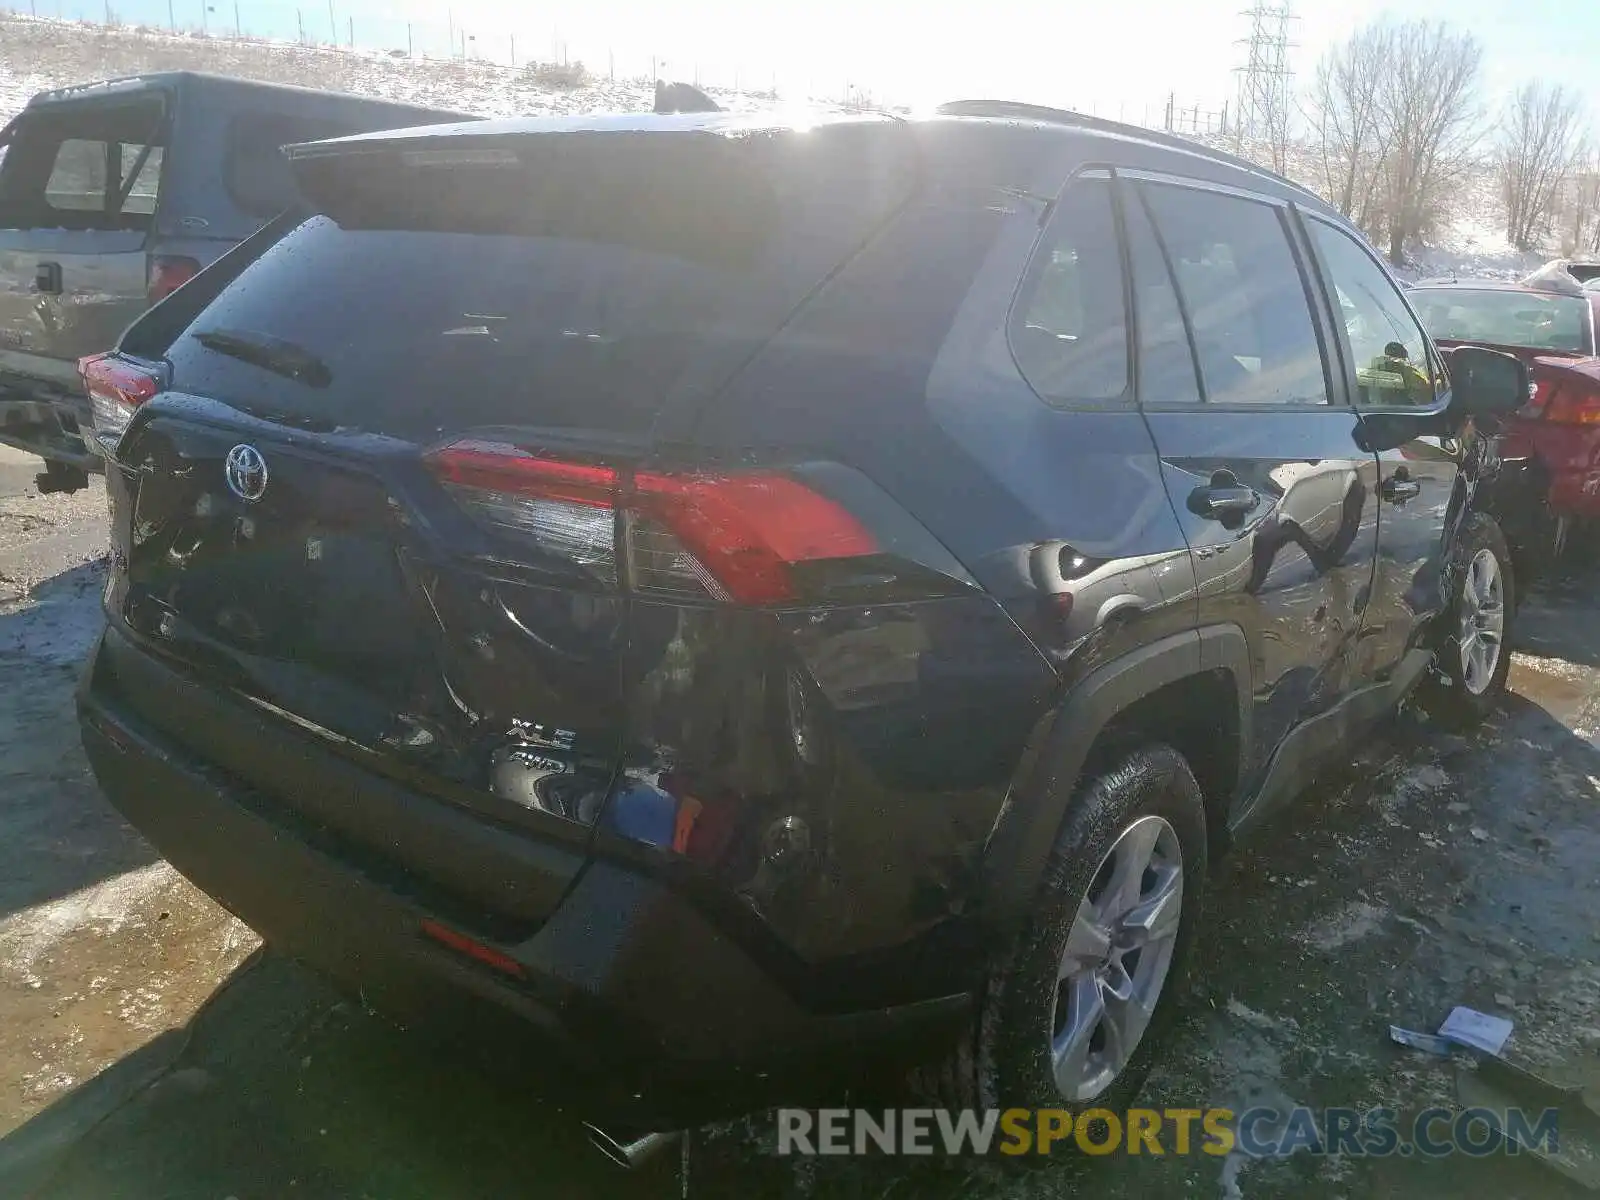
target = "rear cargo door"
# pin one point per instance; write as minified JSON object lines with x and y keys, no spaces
{"x":379,"y":500}
{"x":79,"y":186}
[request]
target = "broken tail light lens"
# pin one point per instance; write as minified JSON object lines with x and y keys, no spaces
{"x":564,"y":508}
{"x":733,"y":537}
{"x":116,"y":389}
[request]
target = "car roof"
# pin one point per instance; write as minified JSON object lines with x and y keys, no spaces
{"x":512,"y":128}
{"x":1066,"y":118}
{"x":1031,"y":138}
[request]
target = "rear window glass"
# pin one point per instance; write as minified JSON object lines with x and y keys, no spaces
{"x":96,"y":167}
{"x":579,"y":283}
{"x":1537,"y":320}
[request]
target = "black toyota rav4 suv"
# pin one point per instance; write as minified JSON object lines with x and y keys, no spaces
{"x":736,"y":597}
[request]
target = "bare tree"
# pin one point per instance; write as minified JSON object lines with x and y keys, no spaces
{"x":1347,"y":124}
{"x":1576,"y":214}
{"x":1428,"y":95}
{"x":1394,"y":112}
{"x":1539,"y":146}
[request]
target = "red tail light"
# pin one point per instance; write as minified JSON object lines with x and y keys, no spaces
{"x":116,"y":388}
{"x":1569,"y":401}
{"x":169,"y":272}
{"x":734,"y":536}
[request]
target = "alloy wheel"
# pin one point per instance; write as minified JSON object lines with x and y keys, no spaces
{"x":1483,"y":621}
{"x":1116,"y":959}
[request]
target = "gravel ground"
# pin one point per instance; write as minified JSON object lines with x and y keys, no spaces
{"x":145,"y":1051}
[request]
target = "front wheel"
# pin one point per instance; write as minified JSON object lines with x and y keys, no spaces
{"x":1475,"y":655}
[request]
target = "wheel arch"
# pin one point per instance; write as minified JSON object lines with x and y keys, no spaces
{"x":1190,"y":690}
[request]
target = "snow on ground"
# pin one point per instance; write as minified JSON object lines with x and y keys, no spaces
{"x":1473,"y":244}
{"x":36,"y":54}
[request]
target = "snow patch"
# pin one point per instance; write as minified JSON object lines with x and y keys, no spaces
{"x":1260,"y":1020}
{"x":106,"y":906}
{"x":1355,"y":921}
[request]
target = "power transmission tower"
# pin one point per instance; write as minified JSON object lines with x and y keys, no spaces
{"x":1265,"y":95}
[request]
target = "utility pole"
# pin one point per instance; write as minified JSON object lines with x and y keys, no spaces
{"x":238,"y":25}
{"x":352,"y":21}
{"x":333,"y":25}
{"x":172,"y":18}
{"x":1262,"y":111}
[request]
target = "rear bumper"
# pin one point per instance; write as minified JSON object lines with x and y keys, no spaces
{"x":1570,"y":456}
{"x":625,"y":983}
{"x":36,"y":416}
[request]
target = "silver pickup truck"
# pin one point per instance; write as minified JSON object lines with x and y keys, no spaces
{"x":114,"y":194}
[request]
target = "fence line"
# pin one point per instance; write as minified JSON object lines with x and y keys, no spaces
{"x":313,"y":23}
{"x":555,"y":53}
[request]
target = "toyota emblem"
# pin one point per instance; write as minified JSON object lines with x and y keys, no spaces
{"x":246,"y":473}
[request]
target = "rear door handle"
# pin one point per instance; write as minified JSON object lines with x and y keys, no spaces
{"x":47,"y":278}
{"x":1398,"y":489}
{"x":1224,"y":498}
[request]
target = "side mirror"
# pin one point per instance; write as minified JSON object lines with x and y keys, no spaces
{"x":1487,"y":383}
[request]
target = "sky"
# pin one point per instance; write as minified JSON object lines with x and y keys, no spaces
{"x":1115,"y":58}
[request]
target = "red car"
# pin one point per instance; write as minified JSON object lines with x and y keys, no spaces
{"x":1550,"y":323}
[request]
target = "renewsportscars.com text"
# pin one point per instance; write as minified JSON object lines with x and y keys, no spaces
{"x":1258,"y":1132}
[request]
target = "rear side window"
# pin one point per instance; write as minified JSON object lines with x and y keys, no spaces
{"x":96,"y":167}
{"x":1244,"y":295}
{"x":1166,"y":360}
{"x":256,"y":172}
{"x":1069,"y":333}
{"x":577,"y":281}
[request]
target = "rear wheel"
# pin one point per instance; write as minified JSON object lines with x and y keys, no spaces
{"x":1072,"y":1016}
{"x":1475,"y":656}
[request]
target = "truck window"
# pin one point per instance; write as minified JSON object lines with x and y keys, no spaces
{"x":256,"y":172}
{"x":89,"y":167}
{"x":140,"y":180}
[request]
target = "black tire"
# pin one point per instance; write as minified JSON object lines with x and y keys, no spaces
{"x":1004,"y":1061}
{"x":1445,"y":693}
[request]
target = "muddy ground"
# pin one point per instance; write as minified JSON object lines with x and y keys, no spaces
{"x":146,"y":1051}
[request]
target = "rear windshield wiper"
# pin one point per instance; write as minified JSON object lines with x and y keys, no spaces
{"x":268,"y":353}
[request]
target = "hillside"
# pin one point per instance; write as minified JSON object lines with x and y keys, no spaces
{"x":40,"y":54}
{"x":36,"y":54}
